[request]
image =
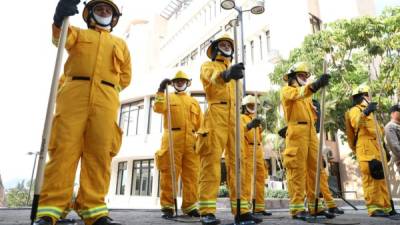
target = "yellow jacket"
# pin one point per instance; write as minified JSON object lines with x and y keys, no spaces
{"x":97,"y":54}
{"x":297,"y":105}
{"x":185,"y":111}
{"x":249,"y":134}
{"x":367,"y":146}
{"x":215,"y":87}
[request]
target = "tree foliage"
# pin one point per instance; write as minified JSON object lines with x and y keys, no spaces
{"x":353,"y":45}
{"x":17,"y":196}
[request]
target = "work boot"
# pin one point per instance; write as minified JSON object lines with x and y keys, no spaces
{"x":302,"y":215}
{"x":45,"y":220}
{"x":209,"y":219}
{"x":194,"y":213}
{"x":167,"y":213}
{"x":248,"y":218}
{"x":379,"y":213}
{"x":336,"y":210}
{"x":263,"y":213}
{"x":328,"y":215}
{"x":105,"y":220}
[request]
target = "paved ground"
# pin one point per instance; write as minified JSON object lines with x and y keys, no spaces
{"x":152,"y":217}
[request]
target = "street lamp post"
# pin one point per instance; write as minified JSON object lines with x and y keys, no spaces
{"x":257,"y":9}
{"x":33,"y":171}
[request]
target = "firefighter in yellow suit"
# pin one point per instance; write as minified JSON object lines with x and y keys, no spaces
{"x":250,"y":123}
{"x":186,"y":118}
{"x":84,"y":126}
{"x":367,"y":151}
{"x":300,"y":154}
{"x":218,"y":130}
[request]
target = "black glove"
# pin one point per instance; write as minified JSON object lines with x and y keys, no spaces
{"x":370,"y":108}
{"x":321,"y":82}
{"x":163,"y":85}
{"x":253,"y":123}
{"x":65,"y":8}
{"x":282,"y":132}
{"x":234,"y":72}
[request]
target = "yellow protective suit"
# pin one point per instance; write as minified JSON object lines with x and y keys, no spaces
{"x":300,"y":154}
{"x":186,"y":118}
{"x":324,"y":189}
{"x":261,"y":172}
{"x":84,"y":126}
{"x":375,"y":191}
{"x":216,"y":136}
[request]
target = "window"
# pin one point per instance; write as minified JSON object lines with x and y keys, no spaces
{"x":121,"y":178}
{"x":315,"y":23}
{"x":215,"y":8}
{"x":194,"y":54}
{"x":184,"y":61}
{"x":142,"y":177}
{"x":252,"y":51}
{"x":268,"y":39}
{"x":261,"y":47}
{"x":155,"y":124}
{"x":131,"y":118}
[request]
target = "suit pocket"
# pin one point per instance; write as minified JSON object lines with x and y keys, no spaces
{"x":289,"y":157}
{"x":116,"y":141}
{"x":203,"y":140}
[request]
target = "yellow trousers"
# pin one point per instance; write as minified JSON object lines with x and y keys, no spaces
{"x":261,"y":175}
{"x":186,"y":166}
{"x":84,"y":129}
{"x":375,"y":192}
{"x":217,"y":136}
{"x":300,"y":160}
{"x":326,"y":193}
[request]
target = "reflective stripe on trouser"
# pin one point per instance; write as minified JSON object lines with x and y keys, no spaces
{"x":326,"y":193}
{"x":220,"y":121}
{"x":375,"y":192}
{"x":300,"y":158}
{"x":84,"y":129}
{"x":94,"y":212}
{"x":53,"y":212}
{"x":186,"y":167}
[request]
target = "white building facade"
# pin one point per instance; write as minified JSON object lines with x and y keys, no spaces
{"x":179,"y":37}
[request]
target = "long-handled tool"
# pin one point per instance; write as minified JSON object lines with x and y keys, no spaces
{"x":49,"y":118}
{"x":321,"y":140}
{"x":383,"y":155}
{"x":171,"y":151}
{"x":255,"y":145}
{"x":336,"y":192}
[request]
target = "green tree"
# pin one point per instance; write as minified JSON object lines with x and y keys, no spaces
{"x":353,"y":45}
{"x":17,"y":196}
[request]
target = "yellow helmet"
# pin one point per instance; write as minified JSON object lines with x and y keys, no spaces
{"x":362,"y":88}
{"x":249,"y":99}
{"x":224,"y":37}
{"x":88,"y":11}
{"x":181,"y":75}
{"x":297,"y":68}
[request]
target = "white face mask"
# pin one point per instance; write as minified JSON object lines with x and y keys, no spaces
{"x":182,"y":88}
{"x":301,"y":82}
{"x":226,"y":52}
{"x":103,"y":21}
{"x":252,"y":111}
